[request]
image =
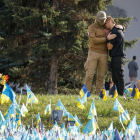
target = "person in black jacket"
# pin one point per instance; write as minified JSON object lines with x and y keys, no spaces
{"x":116,"y":52}
{"x":133,"y":67}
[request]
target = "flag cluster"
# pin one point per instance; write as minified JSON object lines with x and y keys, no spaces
{"x":12,"y":128}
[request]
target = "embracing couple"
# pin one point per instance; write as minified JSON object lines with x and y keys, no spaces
{"x":104,"y":35}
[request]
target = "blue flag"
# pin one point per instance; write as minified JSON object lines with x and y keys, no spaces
{"x":135,"y":92}
{"x":7,"y":95}
{"x":103,"y":94}
{"x":84,"y":90}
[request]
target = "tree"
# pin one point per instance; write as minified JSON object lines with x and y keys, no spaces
{"x":50,"y":37}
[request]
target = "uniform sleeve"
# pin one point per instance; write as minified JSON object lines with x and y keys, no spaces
{"x":112,"y":41}
{"x":92,"y":37}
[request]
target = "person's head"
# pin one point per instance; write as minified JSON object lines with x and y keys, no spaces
{"x":109,"y":23}
{"x":134,"y":57}
{"x":101,"y":18}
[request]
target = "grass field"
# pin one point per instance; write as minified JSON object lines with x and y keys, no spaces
{"x":105,"y":112}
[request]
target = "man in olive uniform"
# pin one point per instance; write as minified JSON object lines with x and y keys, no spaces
{"x":98,"y":52}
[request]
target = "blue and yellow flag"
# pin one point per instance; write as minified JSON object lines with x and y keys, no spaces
{"x":103,"y":94}
{"x":75,"y":116}
{"x":18,"y":119}
{"x":84,"y":98}
{"x":60,"y":106}
{"x":71,"y":118}
{"x":7,"y":95}
{"x":92,"y":111}
{"x":123,"y":120}
{"x":134,"y":123}
{"x":131,"y":127}
{"x":111,"y":126}
{"x":83,"y":91}
{"x":48,"y":109}
{"x":117,"y":106}
{"x":13,"y":110}
{"x":31,"y":97}
{"x":91,"y":126}
{"x":38,"y":118}
{"x":135,"y":92}
{"x":115,"y":93}
{"x":125,"y":113}
{"x":79,"y":104}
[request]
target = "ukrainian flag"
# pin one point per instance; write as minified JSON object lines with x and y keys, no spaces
{"x":31,"y":97}
{"x":135,"y":92}
{"x":18,"y":119}
{"x":92,"y":111}
{"x":60,"y":106}
{"x":38,"y":118}
{"x":75,"y":116}
{"x":71,"y":118}
{"x":48,"y":109}
{"x":115,"y":93}
{"x":79,"y":104}
{"x":123,"y":120}
{"x":7,"y":95}
{"x":132,"y":126}
{"x":84,"y":98}
{"x":117,"y":106}
{"x":125,"y":113}
{"x":84,"y":90}
{"x":103,"y":94}
{"x":12,"y":111}
{"x":111,"y":126}
{"x":91,"y":126}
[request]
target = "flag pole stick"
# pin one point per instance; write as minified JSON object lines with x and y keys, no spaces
{"x":20,"y":97}
{"x":32,"y":121}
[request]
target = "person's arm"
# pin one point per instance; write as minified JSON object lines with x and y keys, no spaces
{"x":95,"y":40}
{"x":121,"y":27}
{"x":109,"y":46}
{"x":136,"y":66}
{"x":110,"y":43}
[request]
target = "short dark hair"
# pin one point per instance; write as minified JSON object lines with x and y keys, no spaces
{"x":134,"y":57}
{"x":110,"y":18}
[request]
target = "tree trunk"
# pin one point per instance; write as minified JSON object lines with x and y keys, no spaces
{"x":53,"y":75}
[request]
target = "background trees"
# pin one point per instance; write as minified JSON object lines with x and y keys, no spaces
{"x":44,"y":42}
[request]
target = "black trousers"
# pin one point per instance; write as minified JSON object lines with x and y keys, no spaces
{"x":117,"y":70}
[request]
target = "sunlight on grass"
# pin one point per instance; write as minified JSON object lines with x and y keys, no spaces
{"x":105,"y":112}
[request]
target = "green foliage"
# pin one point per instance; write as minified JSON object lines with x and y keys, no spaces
{"x":33,"y":30}
{"x":130,"y":44}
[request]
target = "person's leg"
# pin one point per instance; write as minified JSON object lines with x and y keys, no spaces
{"x":102,"y":68}
{"x":90,"y":67}
{"x":130,"y":79}
{"x":134,"y":79}
{"x":114,"y":79}
{"x":118,"y":69}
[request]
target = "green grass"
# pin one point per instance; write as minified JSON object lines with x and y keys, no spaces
{"x":104,"y":109}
